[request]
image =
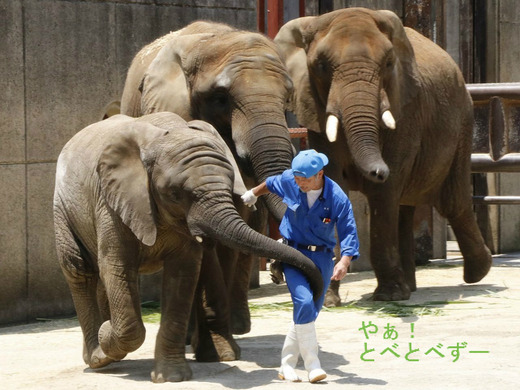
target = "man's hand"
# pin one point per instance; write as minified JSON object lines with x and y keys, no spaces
{"x":341,"y":268}
{"x":249,"y":198}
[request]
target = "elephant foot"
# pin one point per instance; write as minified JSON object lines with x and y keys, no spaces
{"x":115,"y":348}
{"x":332,"y":298}
{"x":206,"y":355}
{"x":476,"y":267}
{"x":227,"y":348}
{"x":391,"y":292}
{"x":240,"y":321}
{"x":166,"y":371}
{"x":97,"y":359}
{"x":411,"y":282}
{"x":217,"y":348}
{"x":203,"y":347}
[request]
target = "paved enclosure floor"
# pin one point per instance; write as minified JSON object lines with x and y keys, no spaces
{"x":449,"y":335}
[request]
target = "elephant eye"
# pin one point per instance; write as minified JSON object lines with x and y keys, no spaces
{"x":390,"y":61}
{"x":175,"y":194}
{"x":322,"y":67}
{"x":219,"y":98}
{"x":176,"y":197}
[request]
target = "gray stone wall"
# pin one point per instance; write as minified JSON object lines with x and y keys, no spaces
{"x":62,"y":64}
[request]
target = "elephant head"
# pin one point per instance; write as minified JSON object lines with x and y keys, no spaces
{"x":163,"y":173}
{"x":232,"y":79}
{"x":353,"y":69}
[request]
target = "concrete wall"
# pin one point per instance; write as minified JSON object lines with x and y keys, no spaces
{"x":62,"y":63}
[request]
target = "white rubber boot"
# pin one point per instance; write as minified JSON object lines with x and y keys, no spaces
{"x":306,"y":335}
{"x":290,"y":353}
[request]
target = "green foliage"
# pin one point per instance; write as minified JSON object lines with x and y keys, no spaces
{"x":151,"y":312}
{"x":397,"y":309}
{"x":258,"y":310}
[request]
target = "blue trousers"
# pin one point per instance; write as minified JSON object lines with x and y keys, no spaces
{"x":305,"y":309}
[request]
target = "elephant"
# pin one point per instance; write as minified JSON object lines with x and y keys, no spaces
{"x":391,"y":110}
{"x":136,"y":195}
{"x":236,"y":81}
{"x":232,"y":79}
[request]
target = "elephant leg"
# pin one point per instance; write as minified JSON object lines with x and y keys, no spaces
{"x":239,"y":292}
{"x":83,"y":285}
{"x":212,"y":339}
{"x":90,"y":318}
{"x":90,"y":321}
{"x":180,"y":278}
{"x":332,"y":298}
{"x":407,"y":245}
{"x":235,"y":266}
{"x":384,"y":251}
{"x":477,"y":256}
{"x":456,"y":206}
{"x":240,"y":268}
{"x":124,"y":332}
{"x":102,"y":300}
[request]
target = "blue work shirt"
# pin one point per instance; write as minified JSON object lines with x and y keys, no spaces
{"x":316,"y":226}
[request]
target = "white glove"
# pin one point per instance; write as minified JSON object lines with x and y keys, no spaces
{"x":249,"y":198}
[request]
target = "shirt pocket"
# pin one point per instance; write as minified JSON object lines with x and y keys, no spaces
{"x":322,"y":226}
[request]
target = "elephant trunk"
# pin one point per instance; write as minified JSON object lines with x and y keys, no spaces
{"x":220,"y":221}
{"x":269,"y":150}
{"x":360,"y":116}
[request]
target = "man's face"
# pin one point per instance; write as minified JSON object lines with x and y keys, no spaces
{"x":312,"y":183}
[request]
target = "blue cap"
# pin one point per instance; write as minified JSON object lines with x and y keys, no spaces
{"x":307,"y":163}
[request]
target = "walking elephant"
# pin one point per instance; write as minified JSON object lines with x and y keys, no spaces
{"x":405,"y":122}
{"x":237,"y":81}
{"x":136,"y":195}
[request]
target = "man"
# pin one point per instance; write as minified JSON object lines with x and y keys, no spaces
{"x":315,"y":205}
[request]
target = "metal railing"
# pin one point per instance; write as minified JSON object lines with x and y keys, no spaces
{"x":496,"y":136}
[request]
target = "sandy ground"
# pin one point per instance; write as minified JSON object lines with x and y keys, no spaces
{"x":449,"y":335}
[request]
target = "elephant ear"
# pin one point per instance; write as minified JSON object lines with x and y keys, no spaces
{"x":293,"y":39}
{"x":124,"y":179}
{"x":238,"y":185}
{"x":405,"y":86}
{"x":165,"y":85}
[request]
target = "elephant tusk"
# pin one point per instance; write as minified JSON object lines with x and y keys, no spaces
{"x":388,"y":119}
{"x":198,"y":238}
{"x":332,"y":128}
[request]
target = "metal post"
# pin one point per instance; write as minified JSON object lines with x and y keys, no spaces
{"x":260,"y":15}
{"x":274,"y":17}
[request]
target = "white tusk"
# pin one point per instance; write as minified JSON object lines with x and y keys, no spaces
{"x":332,"y":128}
{"x":388,"y":119}
{"x":198,"y":238}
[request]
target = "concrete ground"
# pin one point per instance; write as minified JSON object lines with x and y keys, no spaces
{"x":449,"y":335}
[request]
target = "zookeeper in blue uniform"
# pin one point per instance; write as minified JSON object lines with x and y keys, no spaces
{"x":315,"y":205}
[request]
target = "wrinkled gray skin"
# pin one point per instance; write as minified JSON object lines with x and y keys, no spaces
{"x":236,"y":81}
{"x":136,"y":195}
{"x":355,"y":64}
